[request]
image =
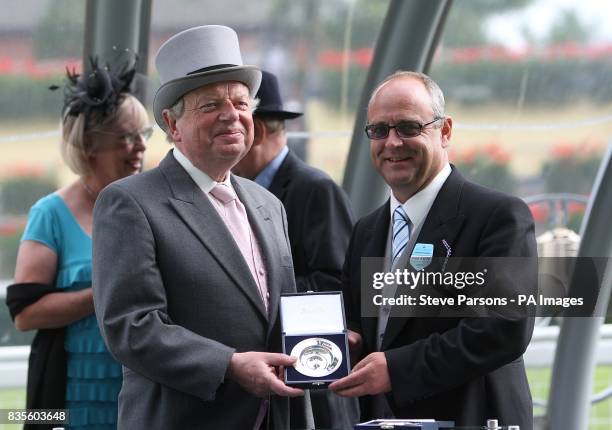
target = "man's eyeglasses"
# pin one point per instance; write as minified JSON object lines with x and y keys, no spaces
{"x":131,"y":138}
{"x":404,"y":129}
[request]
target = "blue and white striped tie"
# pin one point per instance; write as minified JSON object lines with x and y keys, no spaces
{"x":401,"y":233}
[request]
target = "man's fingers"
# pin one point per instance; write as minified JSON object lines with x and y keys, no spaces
{"x":360,"y":365}
{"x":363,"y":363}
{"x":278,"y":387}
{"x":355,"y":345}
{"x":261,"y":373}
{"x":354,"y":338}
{"x":356,"y":391}
{"x":277,"y":359}
{"x":355,"y":378}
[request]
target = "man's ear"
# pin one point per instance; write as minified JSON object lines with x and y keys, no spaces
{"x":172,"y":131}
{"x":446,"y":131}
{"x":260,"y":132}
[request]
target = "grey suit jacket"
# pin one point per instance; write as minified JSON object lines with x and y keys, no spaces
{"x":175,"y":298}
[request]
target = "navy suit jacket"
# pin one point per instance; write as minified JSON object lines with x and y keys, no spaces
{"x":319,"y":220}
{"x":461,"y":369}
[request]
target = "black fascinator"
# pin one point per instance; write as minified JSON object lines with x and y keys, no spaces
{"x":96,"y":90}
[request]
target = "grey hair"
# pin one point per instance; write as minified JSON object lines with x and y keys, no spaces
{"x":273,"y":125}
{"x":436,"y":94}
{"x":253,"y":103}
{"x":77,"y":143}
{"x":175,"y":112}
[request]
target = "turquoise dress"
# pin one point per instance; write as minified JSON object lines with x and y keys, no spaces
{"x":94,"y":378}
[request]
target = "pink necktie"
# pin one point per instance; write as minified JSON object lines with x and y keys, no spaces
{"x":236,"y":220}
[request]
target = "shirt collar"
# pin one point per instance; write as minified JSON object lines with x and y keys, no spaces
{"x":266,"y":176}
{"x":202,"y":180}
{"x":418,"y":205}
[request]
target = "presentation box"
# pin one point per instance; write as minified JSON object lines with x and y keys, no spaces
{"x":314,"y":331}
{"x":402,"y":424}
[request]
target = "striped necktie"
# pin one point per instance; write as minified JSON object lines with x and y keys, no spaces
{"x":401,"y":233}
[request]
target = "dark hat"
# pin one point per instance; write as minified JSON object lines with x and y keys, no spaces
{"x":270,"y":102}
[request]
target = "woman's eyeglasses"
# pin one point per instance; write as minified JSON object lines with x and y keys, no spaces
{"x":131,"y":138}
{"x":404,"y":129}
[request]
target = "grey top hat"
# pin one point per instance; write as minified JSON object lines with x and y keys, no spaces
{"x":196,"y":57}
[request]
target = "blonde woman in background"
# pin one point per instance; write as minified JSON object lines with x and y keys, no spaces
{"x":104,"y":135}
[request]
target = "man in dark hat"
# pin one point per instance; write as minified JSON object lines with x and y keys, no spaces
{"x":318,"y":215}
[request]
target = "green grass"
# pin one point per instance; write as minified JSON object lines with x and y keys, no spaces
{"x":539,"y":380}
{"x":601,"y":413}
{"x":13,"y":398}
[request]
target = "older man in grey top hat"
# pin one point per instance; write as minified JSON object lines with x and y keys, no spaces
{"x":190,"y":261}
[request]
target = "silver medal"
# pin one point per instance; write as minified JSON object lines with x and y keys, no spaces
{"x":316,"y":357}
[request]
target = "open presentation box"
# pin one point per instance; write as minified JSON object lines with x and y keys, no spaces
{"x":416,"y":424}
{"x":314,"y":331}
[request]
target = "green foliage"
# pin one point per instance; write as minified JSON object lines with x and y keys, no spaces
{"x":600,"y":415}
{"x":546,"y":83}
{"x":575,"y":222}
{"x":331,"y":86}
{"x":571,"y":169}
{"x":486,"y":166}
{"x":490,"y":175}
{"x":568,"y":28}
{"x":9,"y":244}
{"x":19,"y":193}
{"x":366,"y":20}
{"x":19,"y":190}
{"x":534,"y":82}
{"x":60,"y":32}
{"x":12,"y":398}
{"x":26,"y":97}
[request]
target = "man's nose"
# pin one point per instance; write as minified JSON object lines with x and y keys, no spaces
{"x":228,"y":112}
{"x":393,"y":140}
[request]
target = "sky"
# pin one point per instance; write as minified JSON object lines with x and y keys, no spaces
{"x":541,"y":14}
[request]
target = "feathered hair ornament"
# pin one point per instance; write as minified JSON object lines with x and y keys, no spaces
{"x":96,"y":90}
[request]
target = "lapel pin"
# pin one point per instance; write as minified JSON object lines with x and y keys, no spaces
{"x":449,"y":251}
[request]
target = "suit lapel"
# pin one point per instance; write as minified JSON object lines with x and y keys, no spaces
{"x":375,"y":240}
{"x":264,"y":228}
{"x":443,"y":223}
{"x":282,"y":178}
{"x":198,"y":213}
{"x":262,"y":224}
{"x":444,"y":220}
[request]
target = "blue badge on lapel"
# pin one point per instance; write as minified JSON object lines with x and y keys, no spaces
{"x":421,"y":255}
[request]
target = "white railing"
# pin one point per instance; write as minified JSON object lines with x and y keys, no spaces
{"x":541,"y":350}
{"x":13,"y":359}
{"x":540,"y":353}
{"x":14,"y":366}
